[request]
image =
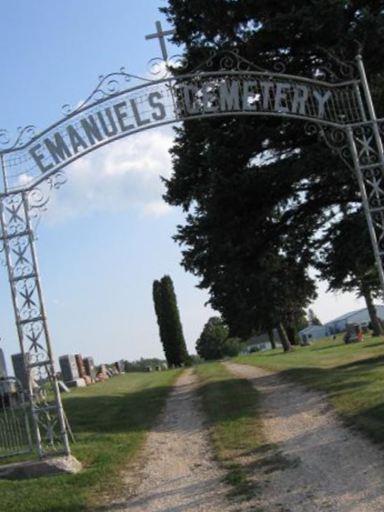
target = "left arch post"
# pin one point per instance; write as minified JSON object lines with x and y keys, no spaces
{"x":49,"y":422}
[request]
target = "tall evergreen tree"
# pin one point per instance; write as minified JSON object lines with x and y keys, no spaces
{"x":168,"y":319}
{"x":254,"y":188}
{"x":159,"y":310}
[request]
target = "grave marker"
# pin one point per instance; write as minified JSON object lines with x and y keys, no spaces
{"x":89,"y":366}
{"x":68,"y":368}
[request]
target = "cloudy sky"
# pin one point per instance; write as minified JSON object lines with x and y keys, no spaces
{"x":107,"y":233}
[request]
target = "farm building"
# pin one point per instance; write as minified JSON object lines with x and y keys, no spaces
{"x":339,"y":324}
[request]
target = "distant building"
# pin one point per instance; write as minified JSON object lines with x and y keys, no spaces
{"x":339,"y":324}
{"x":361,"y":316}
{"x":261,"y":342}
{"x":313,"y":332}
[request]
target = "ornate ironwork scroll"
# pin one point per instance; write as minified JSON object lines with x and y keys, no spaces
{"x":226,"y":85}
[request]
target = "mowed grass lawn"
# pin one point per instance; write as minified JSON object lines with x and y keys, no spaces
{"x":351,"y":375}
{"x":231,"y":406}
{"x":110,"y":421}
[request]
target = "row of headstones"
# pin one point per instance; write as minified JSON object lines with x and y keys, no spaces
{"x":9,"y":388}
{"x":77,"y":371}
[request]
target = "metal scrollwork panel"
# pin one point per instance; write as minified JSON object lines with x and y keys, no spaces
{"x":335,"y":138}
{"x":17,"y":235}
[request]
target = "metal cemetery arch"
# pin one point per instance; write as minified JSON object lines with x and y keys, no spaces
{"x":340,"y":111}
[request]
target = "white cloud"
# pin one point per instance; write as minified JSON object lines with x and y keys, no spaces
{"x":121,"y":176}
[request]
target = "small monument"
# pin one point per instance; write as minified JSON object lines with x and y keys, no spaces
{"x":80,"y":365}
{"x":81,"y":368}
{"x":68,"y":367}
{"x":26,"y":379}
{"x":3,"y":366}
{"x":70,"y":372}
{"x":89,"y":366}
{"x":120,"y":366}
{"x":102,"y":373}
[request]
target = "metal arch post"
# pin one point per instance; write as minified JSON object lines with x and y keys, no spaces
{"x":371,"y":107}
{"x":5,"y":240}
{"x":50,"y":364}
{"x":49,"y":424}
{"x":370,"y":175}
{"x":366,"y":205}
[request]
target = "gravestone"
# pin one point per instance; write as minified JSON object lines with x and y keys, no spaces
{"x":102,"y":373}
{"x":103,"y":369}
{"x":80,"y":366}
{"x":20,"y":370}
{"x":68,"y":367}
{"x":119,"y":365}
{"x":8,"y":393}
{"x":89,"y":366}
{"x":76,"y":383}
{"x":3,"y":367}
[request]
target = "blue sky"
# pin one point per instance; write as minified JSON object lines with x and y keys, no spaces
{"x":107,"y":233}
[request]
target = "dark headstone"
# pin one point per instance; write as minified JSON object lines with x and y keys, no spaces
{"x":3,"y":367}
{"x":89,"y":366}
{"x":20,"y":370}
{"x":120,"y":366}
{"x":103,"y":369}
{"x":68,"y":367}
{"x":80,"y":366}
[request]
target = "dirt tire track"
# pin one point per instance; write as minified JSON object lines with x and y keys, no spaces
{"x":329,"y":468}
{"x":180,"y":473}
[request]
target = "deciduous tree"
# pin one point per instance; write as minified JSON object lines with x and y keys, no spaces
{"x":347,"y":262}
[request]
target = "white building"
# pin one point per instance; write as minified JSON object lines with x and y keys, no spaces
{"x":313,"y":332}
{"x":261,"y":343}
{"x":339,"y":324}
{"x":361,"y":317}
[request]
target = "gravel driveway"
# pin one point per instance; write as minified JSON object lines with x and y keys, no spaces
{"x":328,"y":467}
{"x":180,"y":474}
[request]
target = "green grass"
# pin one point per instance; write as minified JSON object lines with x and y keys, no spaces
{"x":351,"y":375}
{"x":110,"y":421}
{"x":231,"y":406}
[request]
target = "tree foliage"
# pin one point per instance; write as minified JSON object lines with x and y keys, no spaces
{"x":214,"y":341}
{"x":168,"y":319}
{"x":256,"y":191}
{"x":347,"y":261}
{"x":312,"y":318}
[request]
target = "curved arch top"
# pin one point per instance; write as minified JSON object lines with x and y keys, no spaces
{"x":173,"y":99}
